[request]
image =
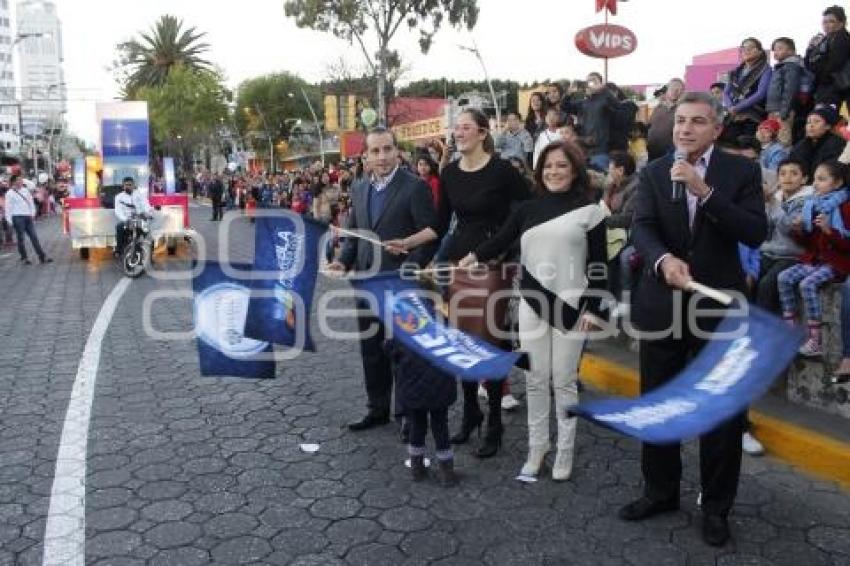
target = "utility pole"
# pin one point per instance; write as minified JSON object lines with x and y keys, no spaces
{"x":269,"y":136}
{"x":475,"y":51}
{"x":315,"y":122}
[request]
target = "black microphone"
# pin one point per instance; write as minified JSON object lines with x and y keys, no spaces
{"x":678,"y":186}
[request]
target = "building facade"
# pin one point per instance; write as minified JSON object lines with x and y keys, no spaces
{"x":9,"y":141}
{"x":43,"y":91}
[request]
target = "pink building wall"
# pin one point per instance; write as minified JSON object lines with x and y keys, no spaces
{"x":709,"y":68}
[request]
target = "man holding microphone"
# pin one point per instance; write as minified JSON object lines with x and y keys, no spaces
{"x":691,"y":211}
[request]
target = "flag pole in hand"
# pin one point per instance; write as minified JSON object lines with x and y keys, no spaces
{"x":719,"y":296}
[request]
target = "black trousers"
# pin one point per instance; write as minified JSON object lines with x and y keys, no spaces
{"x":120,"y":237}
{"x":377,"y":367}
{"x":217,"y":212}
{"x":494,"y":402}
{"x":439,"y":427}
{"x":719,"y":449}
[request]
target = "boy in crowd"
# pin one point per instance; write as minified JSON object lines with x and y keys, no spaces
{"x":772,"y":152}
{"x":785,"y":84}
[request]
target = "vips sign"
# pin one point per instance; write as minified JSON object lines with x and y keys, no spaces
{"x":606,"y":41}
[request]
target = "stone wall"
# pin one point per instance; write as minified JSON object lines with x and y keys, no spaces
{"x":807,"y":380}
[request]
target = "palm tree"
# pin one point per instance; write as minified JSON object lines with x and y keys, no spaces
{"x":147,"y":61}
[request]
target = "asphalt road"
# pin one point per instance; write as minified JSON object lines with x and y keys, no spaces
{"x":184,"y":470}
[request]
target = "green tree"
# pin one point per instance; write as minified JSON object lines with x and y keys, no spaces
{"x":375,"y":23}
{"x":270,"y":106}
{"x":147,"y":60}
{"x":439,"y":88}
{"x":186,"y":110}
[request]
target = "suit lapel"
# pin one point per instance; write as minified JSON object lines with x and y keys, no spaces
{"x":362,"y":204}
{"x":394,"y":188}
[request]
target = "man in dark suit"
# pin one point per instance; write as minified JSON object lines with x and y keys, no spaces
{"x":216,"y":192}
{"x":694,"y":237}
{"x":396,"y":208}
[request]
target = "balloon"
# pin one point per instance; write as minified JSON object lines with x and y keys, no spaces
{"x":368,"y":116}
{"x":43,"y":177}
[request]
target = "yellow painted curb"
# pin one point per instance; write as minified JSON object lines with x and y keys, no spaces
{"x":608,"y":376}
{"x":811,"y":451}
{"x":818,"y":454}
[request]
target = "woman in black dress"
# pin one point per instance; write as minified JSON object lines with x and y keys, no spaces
{"x":480,"y":189}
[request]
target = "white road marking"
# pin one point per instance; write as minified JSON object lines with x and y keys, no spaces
{"x":65,"y":533}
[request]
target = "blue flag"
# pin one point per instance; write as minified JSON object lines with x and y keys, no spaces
{"x":409,"y":317}
{"x":221,"y":305}
{"x":287,"y":249}
{"x":729,"y":373}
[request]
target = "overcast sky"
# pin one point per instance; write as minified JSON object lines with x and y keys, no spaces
{"x":522,"y":40}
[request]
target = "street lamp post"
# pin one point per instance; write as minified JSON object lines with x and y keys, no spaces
{"x":57,"y":123}
{"x":475,"y":51}
{"x":268,"y":135}
{"x":241,"y":140}
{"x":316,"y":122}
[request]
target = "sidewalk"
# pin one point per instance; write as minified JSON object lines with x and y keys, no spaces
{"x":816,"y":442}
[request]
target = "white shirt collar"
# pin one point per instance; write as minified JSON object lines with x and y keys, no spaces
{"x":705,"y":158}
{"x":381,"y":183}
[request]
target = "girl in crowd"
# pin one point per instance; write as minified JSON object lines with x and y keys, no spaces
{"x":821,"y":143}
{"x":548,"y":135}
{"x":746,"y":91}
{"x":535,"y":118}
{"x":479,"y":189}
{"x":562,"y":250}
{"x":780,"y":250}
{"x":429,"y":171}
{"x":823,"y":229}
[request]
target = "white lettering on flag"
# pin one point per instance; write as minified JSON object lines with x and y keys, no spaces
{"x":734,"y":364}
{"x":642,"y":417}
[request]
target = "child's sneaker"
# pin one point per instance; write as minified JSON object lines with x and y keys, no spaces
{"x":509,"y":402}
{"x":811,"y":349}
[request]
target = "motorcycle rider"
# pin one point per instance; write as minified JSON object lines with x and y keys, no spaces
{"x":127,"y":203}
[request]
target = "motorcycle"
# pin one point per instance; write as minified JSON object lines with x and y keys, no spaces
{"x":136,"y":255}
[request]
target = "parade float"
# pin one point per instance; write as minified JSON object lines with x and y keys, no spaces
{"x":89,"y":217}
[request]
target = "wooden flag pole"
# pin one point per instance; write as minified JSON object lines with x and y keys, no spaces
{"x":719,"y":296}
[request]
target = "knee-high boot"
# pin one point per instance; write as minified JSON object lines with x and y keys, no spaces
{"x":472,"y":416}
{"x":566,"y":395}
{"x":493,"y":435}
